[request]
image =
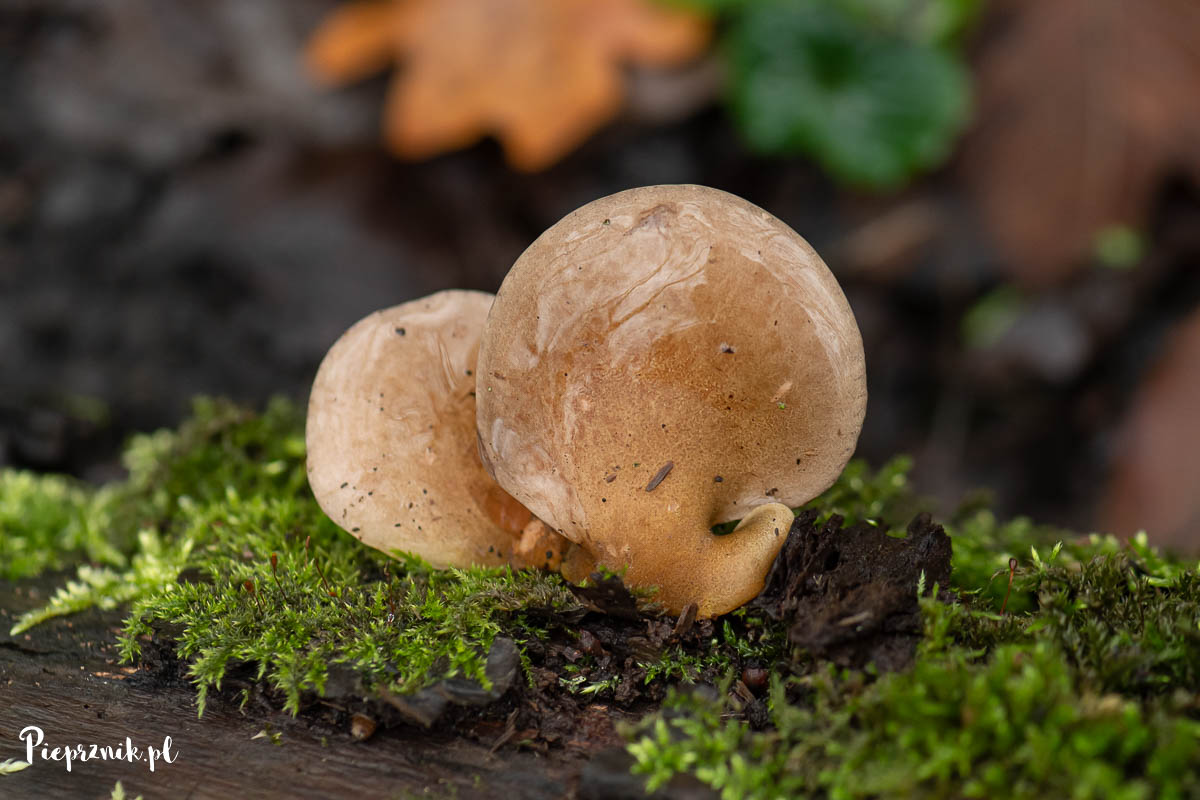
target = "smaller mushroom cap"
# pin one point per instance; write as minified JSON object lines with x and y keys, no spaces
{"x":392,"y":452}
{"x":662,"y":360}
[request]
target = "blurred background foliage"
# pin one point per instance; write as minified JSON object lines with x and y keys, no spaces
{"x":195,"y":197}
{"x":875,"y":90}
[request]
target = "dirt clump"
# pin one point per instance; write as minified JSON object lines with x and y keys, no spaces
{"x":851,"y":594}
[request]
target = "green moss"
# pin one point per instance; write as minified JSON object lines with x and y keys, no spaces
{"x":226,"y":551}
{"x":234,"y":558}
{"x":1086,"y":691}
{"x":742,"y":637}
{"x":49,"y":522}
{"x":1083,"y":688}
{"x":1012,"y":725}
{"x":139,"y":523}
{"x":1127,"y":618}
{"x":883,"y":497}
{"x":11,"y":766}
{"x":118,"y":793}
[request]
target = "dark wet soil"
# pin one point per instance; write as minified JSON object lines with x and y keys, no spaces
{"x":850,"y":595}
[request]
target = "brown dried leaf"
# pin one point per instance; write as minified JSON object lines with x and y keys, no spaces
{"x":541,"y":75}
{"x":1084,"y":106}
{"x":354,"y":42}
{"x":1155,"y":484}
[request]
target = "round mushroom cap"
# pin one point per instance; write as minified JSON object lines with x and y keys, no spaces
{"x":662,"y":360}
{"x":392,"y":450}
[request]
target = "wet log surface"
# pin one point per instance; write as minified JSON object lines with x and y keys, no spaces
{"x":65,"y":678}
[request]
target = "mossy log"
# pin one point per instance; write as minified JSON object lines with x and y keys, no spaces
{"x":65,"y":678}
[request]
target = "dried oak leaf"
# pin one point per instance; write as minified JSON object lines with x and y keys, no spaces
{"x":1155,"y":485}
{"x":541,"y":75}
{"x":1084,"y":106}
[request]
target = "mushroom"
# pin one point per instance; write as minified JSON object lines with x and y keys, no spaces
{"x":392,"y":454}
{"x":660,"y":361}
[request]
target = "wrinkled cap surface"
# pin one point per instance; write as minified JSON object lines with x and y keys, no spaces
{"x":392,"y":452}
{"x":662,"y":360}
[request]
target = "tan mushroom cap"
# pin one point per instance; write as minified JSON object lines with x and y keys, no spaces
{"x":662,"y":360}
{"x":392,"y":451}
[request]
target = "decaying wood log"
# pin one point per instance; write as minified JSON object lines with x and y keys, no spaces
{"x":64,"y":677}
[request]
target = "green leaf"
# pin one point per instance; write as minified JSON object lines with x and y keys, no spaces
{"x":8,"y":766}
{"x":986,"y":322}
{"x":1119,"y":247}
{"x":923,"y":21}
{"x":874,"y":107}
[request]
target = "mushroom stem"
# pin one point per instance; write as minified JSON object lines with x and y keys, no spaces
{"x":577,"y":564}
{"x":723,"y":572}
{"x":539,"y":546}
{"x":734,"y":569}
